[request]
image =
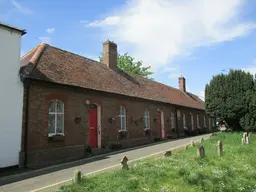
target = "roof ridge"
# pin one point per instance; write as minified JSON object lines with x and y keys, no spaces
{"x":38,"y":52}
{"x":168,"y":86}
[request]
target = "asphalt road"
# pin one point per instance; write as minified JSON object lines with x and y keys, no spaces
{"x":53,"y":180}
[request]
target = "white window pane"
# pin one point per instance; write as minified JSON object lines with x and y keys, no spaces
{"x":51,"y":106}
{"x":51,"y":123}
{"x":60,"y":107}
{"x":122,"y":123}
{"x":60,"y":123}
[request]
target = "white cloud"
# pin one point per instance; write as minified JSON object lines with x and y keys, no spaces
{"x":21,"y":9}
{"x":45,"y":39}
{"x":251,"y":69}
{"x":157,"y":31}
{"x":108,"y":21}
{"x":50,"y":30}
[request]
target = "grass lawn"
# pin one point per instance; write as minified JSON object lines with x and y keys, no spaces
{"x":184,"y":171}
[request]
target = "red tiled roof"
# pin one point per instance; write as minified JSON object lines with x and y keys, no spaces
{"x":51,"y":64}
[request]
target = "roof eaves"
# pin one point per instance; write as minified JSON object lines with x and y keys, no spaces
{"x":23,"y":31}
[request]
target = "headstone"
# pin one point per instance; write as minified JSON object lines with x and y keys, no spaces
{"x":243,"y":141}
{"x":247,"y":140}
{"x":200,"y":151}
{"x":244,"y":135}
{"x":77,"y":177}
{"x":168,"y":153}
{"x":220,"y":148}
{"x":124,"y":163}
{"x":192,"y":143}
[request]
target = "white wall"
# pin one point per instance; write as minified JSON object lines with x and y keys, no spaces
{"x":11,"y":97}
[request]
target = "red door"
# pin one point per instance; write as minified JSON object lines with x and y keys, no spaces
{"x":93,"y":126}
{"x":160,"y":124}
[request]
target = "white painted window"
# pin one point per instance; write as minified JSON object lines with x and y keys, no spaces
{"x":192,"y":121}
{"x":204,"y":121}
{"x":172,"y":120}
{"x":122,"y":118}
{"x":146,"y":119}
{"x":197,"y":120}
{"x":184,"y":120}
{"x":56,"y":117}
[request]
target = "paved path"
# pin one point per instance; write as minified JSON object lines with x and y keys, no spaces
{"x":53,"y":180}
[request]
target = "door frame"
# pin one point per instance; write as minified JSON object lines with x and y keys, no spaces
{"x":98,"y":125}
{"x":162,"y":123}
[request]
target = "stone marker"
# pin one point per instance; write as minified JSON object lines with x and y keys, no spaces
{"x":168,"y":153}
{"x":192,"y":143}
{"x":77,"y":176}
{"x":243,"y":141}
{"x":124,"y":163}
{"x":200,"y":151}
{"x":220,"y":148}
{"x":247,"y":140}
{"x":244,"y":135}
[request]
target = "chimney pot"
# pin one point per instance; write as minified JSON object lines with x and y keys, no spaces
{"x":110,"y":54}
{"x":182,"y":84}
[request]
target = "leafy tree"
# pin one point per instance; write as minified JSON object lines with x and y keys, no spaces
{"x":232,"y":97}
{"x":128,"y":64}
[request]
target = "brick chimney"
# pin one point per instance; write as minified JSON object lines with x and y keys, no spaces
{"x":110,"y":54}
{"x":182,"y":84}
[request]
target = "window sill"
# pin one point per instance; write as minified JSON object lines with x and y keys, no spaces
{"x":56,"y":137}
{"x":122,"y":131}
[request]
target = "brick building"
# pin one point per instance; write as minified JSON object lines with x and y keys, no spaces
{"x":72,"y":102}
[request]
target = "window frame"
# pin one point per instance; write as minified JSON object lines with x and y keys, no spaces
{"x":184,"y":120}
{"x":56,"y":113}
{"x":147,"y":118}
{"x":122,"y":115}
{"x":197,"y":120}
{"x":172,"y":120}
{"x":192,"y":122}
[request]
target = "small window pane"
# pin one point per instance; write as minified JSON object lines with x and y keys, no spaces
{"x":51,"y":123}
{"x":51,"y":106}
{"x":123,"y":123}
{"x":60,"y":107}
{"x":60,"y":123}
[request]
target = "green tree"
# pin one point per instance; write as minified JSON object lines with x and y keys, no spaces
{"x":128,"y":64}
{"x":232,"y":97}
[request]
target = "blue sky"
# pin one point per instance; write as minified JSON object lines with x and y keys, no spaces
{"x":193,"y":38}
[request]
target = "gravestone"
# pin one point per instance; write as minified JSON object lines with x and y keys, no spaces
{"x":247,"y":140}
{"x":124,"y":162}
{"x":77,"y":177}
{"x":243,"y":141}
{"x":200,"y":151}
{"x":192,"y":143}
{"x":220,"y":148}
{"x":168,"y":153}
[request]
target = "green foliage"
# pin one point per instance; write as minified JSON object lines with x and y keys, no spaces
{"x":128,"y":64}
{"x":234,"y":171}
{"x":232,"y":97}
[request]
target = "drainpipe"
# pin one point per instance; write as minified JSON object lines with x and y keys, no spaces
{"x":28,"y":83}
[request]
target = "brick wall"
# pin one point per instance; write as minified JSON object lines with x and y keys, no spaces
{"x":42,"y":151}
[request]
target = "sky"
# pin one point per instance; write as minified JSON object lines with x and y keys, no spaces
{"x":193,"y":38}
